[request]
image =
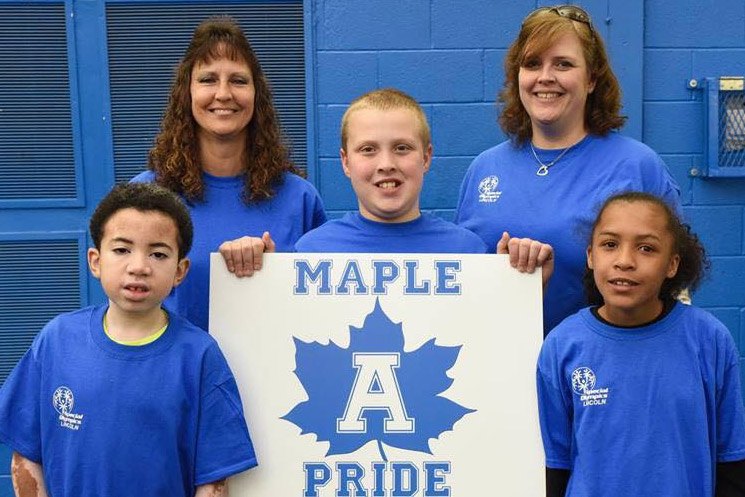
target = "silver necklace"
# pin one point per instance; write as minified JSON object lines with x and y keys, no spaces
{"x":543,"y":170}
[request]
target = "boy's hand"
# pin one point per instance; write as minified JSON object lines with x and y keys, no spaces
{"x":245,"y":255}
{"x":527,"y":254}
{"x":214,"y":489}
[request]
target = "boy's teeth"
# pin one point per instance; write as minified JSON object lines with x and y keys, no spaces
{"x":388,"y":184}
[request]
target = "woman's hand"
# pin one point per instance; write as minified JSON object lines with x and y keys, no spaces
{"x":526,"y":255}
{"x":245,"y":255}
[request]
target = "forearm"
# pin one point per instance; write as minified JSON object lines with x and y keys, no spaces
{"x":214,"y":489}
{"x":27,"y":476}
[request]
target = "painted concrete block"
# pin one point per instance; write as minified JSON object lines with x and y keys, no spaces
{"x":718,"y":228}
{"x":493,"y":73}
{"x":442,"y":182}
{"x":708,"y":191}
{"x":383,"y":24}
{"x":329,"y":121}
{"x":6,"y":486}
{"x":434,"y":76}
{"x":5,"y":453}
{"x":674,"y":127}
{"x":465,"y":129}
{"x":666,"y":72}
{"x":715,"y":63}
{"x":343,"y":76}
{"x":334,"y":187}
{"x":479,"y":23}
{"x":724,"y":286}
{"x":698,"y":24}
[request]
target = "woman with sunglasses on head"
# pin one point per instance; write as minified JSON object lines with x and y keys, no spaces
{"x":564,"y":156}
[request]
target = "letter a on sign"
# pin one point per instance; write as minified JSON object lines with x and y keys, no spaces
{"x":376,"y":388}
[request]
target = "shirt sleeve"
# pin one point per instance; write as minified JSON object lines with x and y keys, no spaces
{"x":20,"y":425}
{"x":554,"y":413}
{"x":315,"y":215}
{"x":730,"y":479}
{"x":144,"y":177}
{"x":730,"y":410}
{"x":670,"y":191}
{"x":224,"y":446}
{"x":459,"y":208}
{"x":664,"y":185}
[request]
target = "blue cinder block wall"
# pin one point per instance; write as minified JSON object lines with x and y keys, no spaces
{"x":707,"y":39}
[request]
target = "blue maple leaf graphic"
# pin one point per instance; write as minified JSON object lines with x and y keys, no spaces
{"x":329,"y":375}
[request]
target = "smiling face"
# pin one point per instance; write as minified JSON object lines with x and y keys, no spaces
{"x":554,"y":86}
{"x":631,"y":255}
{"x":138,"y":262}
{"x":222,"y":98}
{"x":385,"y":158}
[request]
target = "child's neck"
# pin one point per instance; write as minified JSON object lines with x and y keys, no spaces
{"x":130,"y":327}
{"x":633,"y":318}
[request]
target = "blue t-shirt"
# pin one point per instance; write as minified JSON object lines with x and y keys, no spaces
{"x":106,"y":419}
{"x":642,"y":412}
{"x":294,"y":209}
{"x":425,"y":234}
{"x":502,"y":192}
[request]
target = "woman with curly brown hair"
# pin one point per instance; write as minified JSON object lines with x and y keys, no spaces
{"x":220,"y":148}
{"x":564,"y":157}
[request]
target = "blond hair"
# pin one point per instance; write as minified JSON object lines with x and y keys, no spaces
{"x":386,"y":99}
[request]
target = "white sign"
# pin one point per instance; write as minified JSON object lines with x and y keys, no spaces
{"x":385,"y":375}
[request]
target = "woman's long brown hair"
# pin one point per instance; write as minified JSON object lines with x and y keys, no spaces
{"x":175,"y":156}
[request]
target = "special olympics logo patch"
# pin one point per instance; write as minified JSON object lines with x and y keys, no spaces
{"x":583,"y":380}
{"x":488,"y":189}
{"x":63,"y":400}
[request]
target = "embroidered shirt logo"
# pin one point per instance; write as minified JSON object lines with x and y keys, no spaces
{"x":583,"y":384}
{"x":63,"y":401}
{"x":488,"y":189}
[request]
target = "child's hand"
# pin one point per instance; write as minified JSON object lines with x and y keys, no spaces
{"x":527,"y":254}
{"x":214,"y":489}
{"x":245,"y":255}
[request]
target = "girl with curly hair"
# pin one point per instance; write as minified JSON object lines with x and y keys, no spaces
{"x":640,"y":394}
{"x":221,"y":149}
{"x":561,"y":105}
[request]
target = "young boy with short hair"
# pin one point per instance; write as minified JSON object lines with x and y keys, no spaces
{"x":124,"y":398}
{"x":385,"y":151}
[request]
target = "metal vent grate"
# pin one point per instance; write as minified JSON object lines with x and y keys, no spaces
{"x":36,"y":138}
{"x":140,"y":77}
{"x":725,"y":126}
{"x":732,"y":129}
{"x":39,"y":280}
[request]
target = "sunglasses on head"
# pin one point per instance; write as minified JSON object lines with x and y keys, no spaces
{"x":568,"y":11}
